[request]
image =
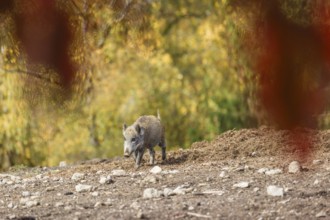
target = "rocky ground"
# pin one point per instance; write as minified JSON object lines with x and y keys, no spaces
{"x":244,"y":174}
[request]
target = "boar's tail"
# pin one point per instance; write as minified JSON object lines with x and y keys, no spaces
{"x":158,"y":115}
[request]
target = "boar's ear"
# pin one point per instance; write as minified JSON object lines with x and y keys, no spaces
{"x":139,"y":129}
{"x":124,"y":126}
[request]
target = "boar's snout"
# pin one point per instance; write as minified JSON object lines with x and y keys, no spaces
{"x":126,"y":154}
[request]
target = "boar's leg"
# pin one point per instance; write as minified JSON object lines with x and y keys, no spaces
{"x":135,"y":155}
{"x":139,"y":156}
{"x":162,"y":144}
{"x":152,"y":155}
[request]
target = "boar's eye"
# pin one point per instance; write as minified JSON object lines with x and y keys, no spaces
{"x":133,"y":140}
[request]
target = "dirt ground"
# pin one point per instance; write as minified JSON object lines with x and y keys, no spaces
{"x":225,"y":178}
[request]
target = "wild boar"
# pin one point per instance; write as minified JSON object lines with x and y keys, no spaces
{"x":145,"y":133}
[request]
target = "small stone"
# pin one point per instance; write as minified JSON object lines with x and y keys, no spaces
{"x":26,"y":194}
{"x":122,"y":207}
{"x":321,"y":214}
{"x":275,"y":191}
{"x":156,"y":170}
{"x":241,"y":185}
{"x":77,"y":213}
{"x":294,"y":167}
{"x":22,"y":201}
{"x":78,"y":176}
{"x":99,"y":172}
{"x":253,"y":154}
{"x":190,"y":208}
{"x":317,"y":162}
{"x":140,"y":215}
{"x":168,"y":192}
{"x":10,"y":205}
{"x":9,"y":182}
{"x":135,"y":175}
{"x":119,"y":172}
{"x":108,"y":202}
{"x":68,"y":208}
{"x":135,"y":205}
{"x":151,"y":193}
{"x":256,"y":189}
{"x":31,"y":203}
{"x":223,"y":174}
{"x":48,"y":189}
{"x":240,"y":169}
{"x":12,"y":217}
{"x":106,"y":180}
{"x":262,"y":170}
{"x":59,"y":204}
{"x":273,"y":172}
{"x":95,"y":194}
{"x":63,"y":164}
{"x":98,"y":204}
{"x":214,"y":192}
{"x":181,"y":190}
{"x":83,"y":188}
{"x":150,"y":179}
{"x":316,"y":182}
{"x":170,"y":172}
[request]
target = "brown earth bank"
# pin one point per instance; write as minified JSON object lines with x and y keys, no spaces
{"x":241,"y":174}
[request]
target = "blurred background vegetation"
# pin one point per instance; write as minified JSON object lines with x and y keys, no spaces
{"x":181,"y":57}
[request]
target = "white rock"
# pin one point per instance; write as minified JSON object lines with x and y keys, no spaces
{"x":262,"y":170}
{"x":275,"y":191}
{"x":78,"y":176}
{"x":83,"y":188}
{"x":168,"y":192}
{"x":151,"y":193}
{"x":31,"y":203}
{"x":170,"y":171}
{"x":108,"y":202}
{"x":68,"y":208}
{"x":273,"y":172}
{"x":59,"y":204}
{"x":256,"y":189}
{"x":181,"y":190}
{"x":214,"y":192}
{"x":10,"y":205}
{"x":135,"y":205}
{"x":150,"y":179}
{"x":105,"y":180}
{"x":95,"y":194}
{"x":156,"y":170}
{"x":98,"y":204}
{"x":39,"y":176}
{"x":22,"y":201}
{"x":11,"y":177}
{"x":12,"y":217}
{"x":242,"y":184}
{"x":316,"y":162}
{"x":316,"y":182}
{"x":321,"y":214}
{"x":223,"y":174}
{"x":26,"y":194}
{"x":63,"y":164}
{"x":294,"y":167}
{"x":119,"y":172}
